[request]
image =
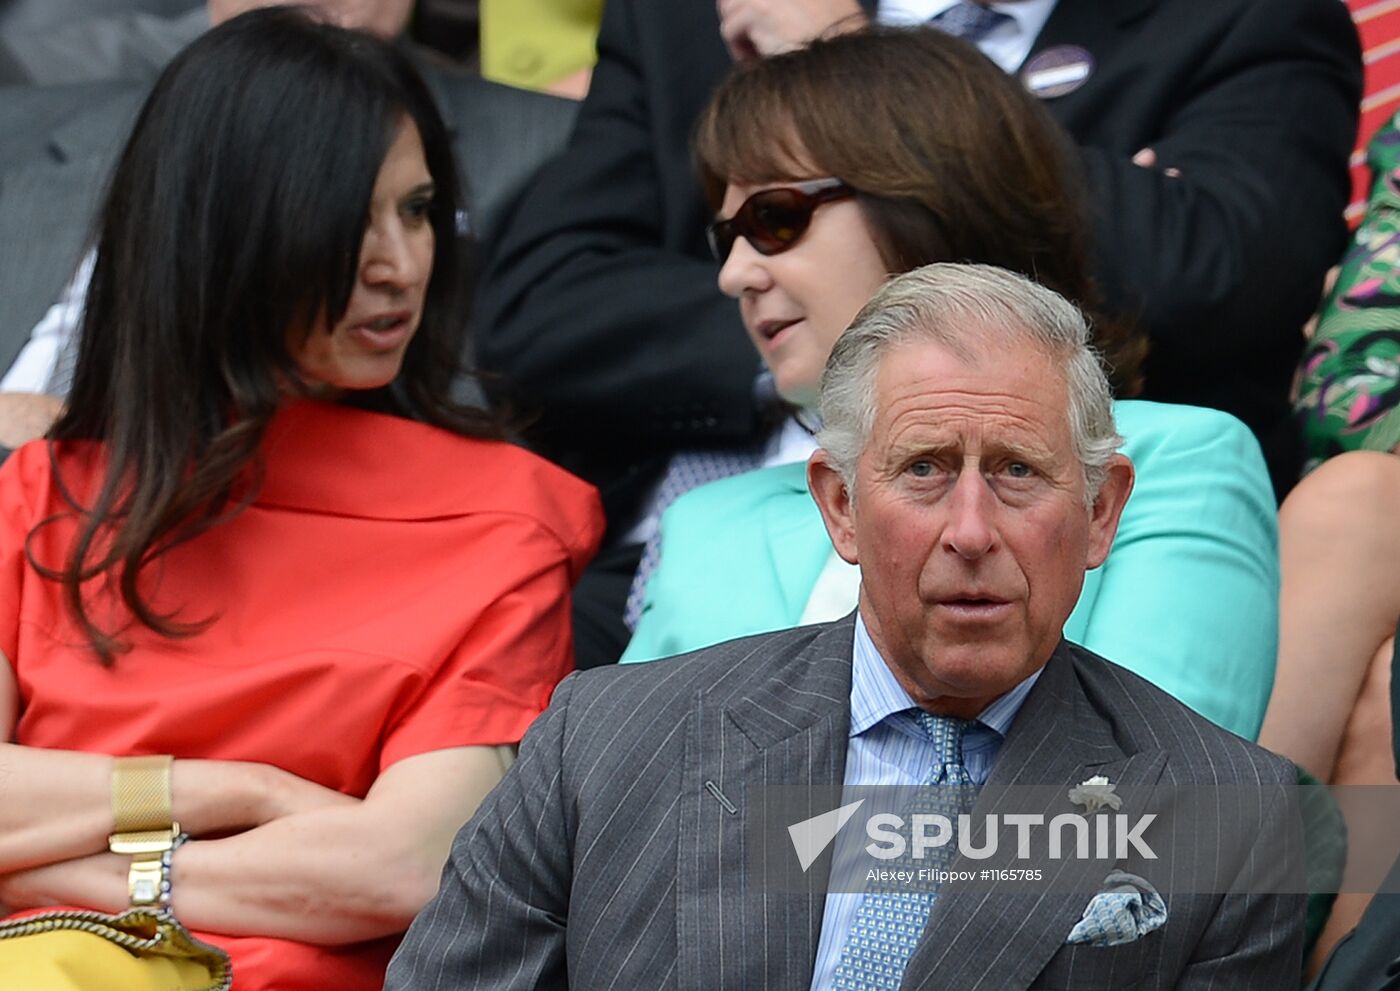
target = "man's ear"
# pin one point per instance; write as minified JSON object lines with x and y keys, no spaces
{"x":833,"y":498}
{"x":1108,"y":507}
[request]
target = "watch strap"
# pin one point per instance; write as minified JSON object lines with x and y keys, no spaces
{"x":141,"y":793}
{"x":143,"y":824}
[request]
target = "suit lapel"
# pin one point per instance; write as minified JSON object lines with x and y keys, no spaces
{"x":979,"y":939}
{"x":734,"y":930}
{"x":101,"y":132}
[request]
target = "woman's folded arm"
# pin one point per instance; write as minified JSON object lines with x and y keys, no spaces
{"x":330,"y":875}
{"x":56,"y":805}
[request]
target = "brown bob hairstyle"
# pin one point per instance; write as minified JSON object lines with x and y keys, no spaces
{"x":951,"y":160}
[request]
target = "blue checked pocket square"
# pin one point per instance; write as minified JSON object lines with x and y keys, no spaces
{"x":1127,"y":909}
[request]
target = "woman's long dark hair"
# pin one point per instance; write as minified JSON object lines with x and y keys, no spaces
{"x":236,"y":212}
{"x":951,"y":158}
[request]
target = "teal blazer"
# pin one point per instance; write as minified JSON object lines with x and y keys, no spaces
{"x":1188,"y":597}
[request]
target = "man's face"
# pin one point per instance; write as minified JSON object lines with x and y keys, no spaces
{"x":385,"y":18}
{"x":968,"y":520}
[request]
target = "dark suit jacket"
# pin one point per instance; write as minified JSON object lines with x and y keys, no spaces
{"x":605,"y":860}
{"x":25,"y":16}
{"x":599,"y":300}
{"x":107,"y":46}
{"x":58,"y":144}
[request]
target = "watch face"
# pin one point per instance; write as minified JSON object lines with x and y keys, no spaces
{"x":145,"y":890}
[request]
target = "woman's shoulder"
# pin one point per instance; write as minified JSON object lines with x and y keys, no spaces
{"x":1194,"y":464}
{"x":508,"y":478}
{"x":335,"y":459}
{"x":1171,"y":432}
{"x":28,"y":474}
{"x":504,"y":479}
{"x":742,"y":493}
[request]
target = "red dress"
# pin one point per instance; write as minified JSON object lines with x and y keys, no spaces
{"x":393,"y":589}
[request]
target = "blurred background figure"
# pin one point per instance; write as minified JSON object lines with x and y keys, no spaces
{"x":548,"y":45}
{"x":46,"y":42}
{"x":1349,"y":383}
{"x":453,"y":27}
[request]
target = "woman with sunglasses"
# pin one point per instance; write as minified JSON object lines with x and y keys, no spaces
{"x":874,"y":153}
{"x":267,"y":585}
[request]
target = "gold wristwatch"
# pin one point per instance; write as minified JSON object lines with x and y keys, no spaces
{"x":143,"y":827}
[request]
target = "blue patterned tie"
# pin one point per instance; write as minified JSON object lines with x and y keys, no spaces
{"x":968,"y":20}
{"x":890,"y":921}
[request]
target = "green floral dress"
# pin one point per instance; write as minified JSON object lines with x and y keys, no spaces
{"x":1349,"y":382}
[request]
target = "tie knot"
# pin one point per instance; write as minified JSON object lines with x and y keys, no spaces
{"x":945,"y":733}
{"x":968,"y":20}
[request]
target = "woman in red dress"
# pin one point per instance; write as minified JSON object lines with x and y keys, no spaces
{"x":263,"y":540}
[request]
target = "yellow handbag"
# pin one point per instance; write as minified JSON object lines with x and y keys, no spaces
{"x":137,"y":950}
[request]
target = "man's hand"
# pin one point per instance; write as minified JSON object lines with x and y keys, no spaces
{"x":754,"y":28}
{"x":25,"y":416}
{"x":1147,"y":159}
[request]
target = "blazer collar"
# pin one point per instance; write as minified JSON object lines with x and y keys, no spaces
{"x":99,"y":131}
{"x":805,"y":691}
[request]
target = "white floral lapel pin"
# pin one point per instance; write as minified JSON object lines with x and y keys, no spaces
{"x":1095,"y":794}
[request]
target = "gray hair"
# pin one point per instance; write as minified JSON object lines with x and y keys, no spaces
{"x":967,"y":310}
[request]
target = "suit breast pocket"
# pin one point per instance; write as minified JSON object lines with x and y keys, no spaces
{"x":1095,"y":968}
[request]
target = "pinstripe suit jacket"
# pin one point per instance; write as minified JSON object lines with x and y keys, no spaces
{"x":603,"y":860}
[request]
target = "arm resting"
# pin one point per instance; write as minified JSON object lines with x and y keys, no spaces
{"x":56,"y":805}
{"x":331,"y":876}
{"x":340,"y":875}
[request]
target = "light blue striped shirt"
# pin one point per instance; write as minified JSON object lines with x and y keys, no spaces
{"x":887,"y":748}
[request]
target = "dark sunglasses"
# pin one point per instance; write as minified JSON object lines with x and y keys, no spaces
{"x":773,"y":220}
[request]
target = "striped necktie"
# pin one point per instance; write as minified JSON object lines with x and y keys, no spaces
{"x":969,"y":21}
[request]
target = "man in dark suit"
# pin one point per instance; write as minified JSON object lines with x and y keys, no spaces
{"x":59,"y":143}
{"x":599,"y":307}
{"x":969,"y":468}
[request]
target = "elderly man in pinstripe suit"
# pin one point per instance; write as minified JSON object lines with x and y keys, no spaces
{"x":969,"y":467}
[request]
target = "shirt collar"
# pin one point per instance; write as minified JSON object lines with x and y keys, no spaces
{"x":876,"y":694}
{"x":1030,"y":15}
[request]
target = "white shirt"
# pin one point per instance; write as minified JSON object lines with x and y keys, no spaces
{"x":34,"y":368}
